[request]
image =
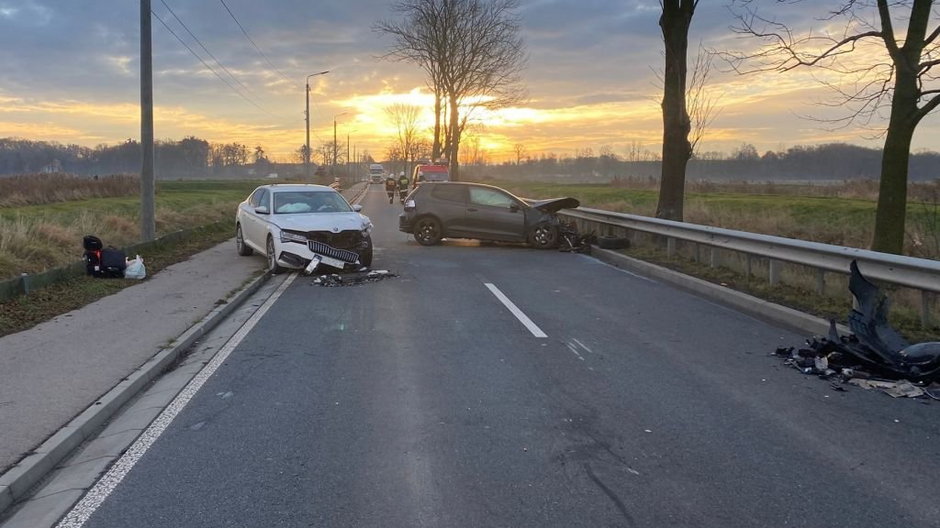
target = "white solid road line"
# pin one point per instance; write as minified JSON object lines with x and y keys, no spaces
{"x":523,"y":318}
{"x":92,"y":500}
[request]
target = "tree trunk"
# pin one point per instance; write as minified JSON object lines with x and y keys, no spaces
{"x":454,"y":140}
{"x":892,"y":191}
{"x":436,"y":148}
{"x":677,"y":150}
{"x":895,"y":157}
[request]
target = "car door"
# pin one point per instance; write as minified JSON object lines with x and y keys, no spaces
{"x":494,"y":214}
{"x":449,"y":204}
{"x":254,"y":224}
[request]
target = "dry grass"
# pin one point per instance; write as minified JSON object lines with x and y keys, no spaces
{"x":37,"y":243}
{"x":39,"y":189}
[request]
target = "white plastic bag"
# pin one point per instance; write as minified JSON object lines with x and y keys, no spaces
{"x":135,"y":269}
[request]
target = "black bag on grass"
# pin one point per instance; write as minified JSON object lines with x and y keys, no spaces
{"x":102,"y":261}
{"x":113,"y":262}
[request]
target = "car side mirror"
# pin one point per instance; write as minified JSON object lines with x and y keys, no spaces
{"x":357,"y":208}
{"x":262,"y":209}
{"x":514,"y":208}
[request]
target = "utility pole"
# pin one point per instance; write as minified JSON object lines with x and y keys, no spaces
{"x":348,"y":159}
{"x":148,"y":224}
{"x":335,"y":146}
{"x":307,"y":118}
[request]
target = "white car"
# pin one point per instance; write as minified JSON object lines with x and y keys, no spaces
{"x":300,"y":226}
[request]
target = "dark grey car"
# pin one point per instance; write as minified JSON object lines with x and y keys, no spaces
{"x":473,"y":210}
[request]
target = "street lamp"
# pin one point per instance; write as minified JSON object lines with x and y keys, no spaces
{"x":307,"y":117}
{"x":335,"y":148}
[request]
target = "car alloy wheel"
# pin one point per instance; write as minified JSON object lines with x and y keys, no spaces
{"x":544,"y":236}
{"x":243,"y":248}
{"x":428,"y":231}
{"x":273,"y":266}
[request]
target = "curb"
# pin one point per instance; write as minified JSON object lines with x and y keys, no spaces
{"x":759,"y":308}
{"x":17,"y":482}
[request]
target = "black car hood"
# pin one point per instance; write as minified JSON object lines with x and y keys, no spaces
{"x":554,"y":205}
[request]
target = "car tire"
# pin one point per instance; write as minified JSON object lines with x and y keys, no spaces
{"x":273,"y":266}
{"x":243,"y":248}
{"x":427,"y":231}
{"x":544,"y":236}
{"x":365,"y":258}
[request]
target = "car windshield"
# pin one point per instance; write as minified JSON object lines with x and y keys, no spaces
{"x":294,"y":202}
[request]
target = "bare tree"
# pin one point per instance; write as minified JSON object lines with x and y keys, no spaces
{"x":677,"y":149}
{"x":405,"y":119}
{"x":471,"y":52}
{"x":895,"y":74}
{"x":521,"y":152}
{"x":702,"y":103}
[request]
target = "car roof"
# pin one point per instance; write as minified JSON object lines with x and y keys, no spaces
{"x":470,"y":184}
{"x":294,"y":187}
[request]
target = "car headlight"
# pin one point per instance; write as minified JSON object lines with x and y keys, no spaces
{"x":367,"y":229}
{"x":287,"y":236}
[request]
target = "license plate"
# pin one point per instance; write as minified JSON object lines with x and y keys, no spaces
{"x":330,"y":261}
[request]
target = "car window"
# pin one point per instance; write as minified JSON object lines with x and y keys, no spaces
{"x":490,"y":197}
{"x":255,"y":200}
{"x":264,"y":199}
{"x":451,"y":193}
{"x":294,"y":202}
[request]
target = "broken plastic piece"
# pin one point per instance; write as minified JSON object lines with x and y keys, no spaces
{"x":314,"y":262}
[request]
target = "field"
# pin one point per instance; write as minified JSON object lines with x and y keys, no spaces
{"x":42,"y":228}
{"x":34,"y":238}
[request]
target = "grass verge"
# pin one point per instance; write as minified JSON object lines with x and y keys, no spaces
{"x":41,"y":305}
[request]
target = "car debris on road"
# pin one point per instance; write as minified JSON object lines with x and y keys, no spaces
{"x":352,"y":279}
{"x":574,"y":242}
{"x":874,"y":356}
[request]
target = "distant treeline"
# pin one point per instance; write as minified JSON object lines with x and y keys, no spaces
{"x":831,"y":162}
{"x":190,"y":157}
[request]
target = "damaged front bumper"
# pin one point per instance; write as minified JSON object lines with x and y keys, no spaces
{"x":299,"y":256}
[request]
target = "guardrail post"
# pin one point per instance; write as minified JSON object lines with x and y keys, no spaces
{"x":713,"y":259}
{"x":670,"y":247}
{"x":775,"y":269}
{"x":820,"y":281}
{"x":747,"y":265}
{"x":924,"y":309}
{"x":24,"y":278}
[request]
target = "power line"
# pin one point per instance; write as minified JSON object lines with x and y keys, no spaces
{"x":245,"y":32}
{"x":204,"y":48}
{"x":210,"y":68}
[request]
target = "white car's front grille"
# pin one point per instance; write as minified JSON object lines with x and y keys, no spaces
{"x":329,"y":251}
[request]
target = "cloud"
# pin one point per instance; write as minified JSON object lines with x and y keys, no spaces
{"x":70,"y":72}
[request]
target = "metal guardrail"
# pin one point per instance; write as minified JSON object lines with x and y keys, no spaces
{"x":911,"y":272}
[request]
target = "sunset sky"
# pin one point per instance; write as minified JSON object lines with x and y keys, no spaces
{"x":69,"y":73}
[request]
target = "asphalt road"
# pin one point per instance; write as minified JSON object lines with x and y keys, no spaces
{"x":421,"y":400}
